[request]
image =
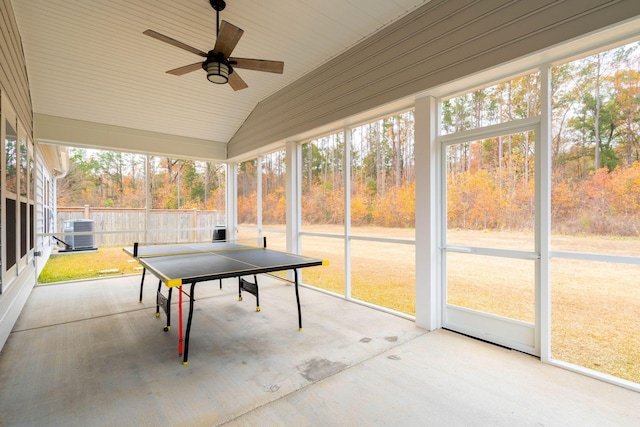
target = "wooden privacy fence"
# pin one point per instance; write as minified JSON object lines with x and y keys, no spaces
{"x":123,"y":226}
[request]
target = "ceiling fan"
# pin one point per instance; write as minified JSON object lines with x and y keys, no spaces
{"x":218,"y":64}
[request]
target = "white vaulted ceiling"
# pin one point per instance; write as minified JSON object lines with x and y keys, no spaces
{"x":88,"y":60}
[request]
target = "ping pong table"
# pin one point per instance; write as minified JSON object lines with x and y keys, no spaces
{"x":189,"y":264}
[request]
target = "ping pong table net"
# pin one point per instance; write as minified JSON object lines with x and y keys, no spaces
{"x":148,"y":250}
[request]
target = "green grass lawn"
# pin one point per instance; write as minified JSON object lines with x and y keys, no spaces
{"x":88,"y":265}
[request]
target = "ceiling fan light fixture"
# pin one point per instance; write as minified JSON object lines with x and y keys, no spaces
{"x":217,"y":71}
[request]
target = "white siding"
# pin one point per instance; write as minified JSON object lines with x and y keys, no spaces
{"x":440,"y":42}
{"x":13,"y":73}
{"x":44,"y":212}
{"x":14,"y":90}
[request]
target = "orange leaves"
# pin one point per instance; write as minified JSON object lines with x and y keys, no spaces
{"x":360,"y":209}
{"x":474,"y":201}
{"x":247,"y":208}
{"x":564,"y":200}
{"x":622,"y":190}
{"x":604,"y":203}
{"x":396,"y":208}
{"x":274,"y":207}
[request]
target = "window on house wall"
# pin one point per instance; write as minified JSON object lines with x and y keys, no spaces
{"x":31,"y":194}
{"x":46,"y":203}
{"x":24,"y":201}
{"x":11,"y":190}
{"x":2,"y":219}
{"x":49,"y":204}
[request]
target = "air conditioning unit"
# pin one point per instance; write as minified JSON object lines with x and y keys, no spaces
{"x":82,"y":242}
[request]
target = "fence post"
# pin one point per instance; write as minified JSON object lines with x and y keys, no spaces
{"x":86,"y":212}
{"x":195,"y":225}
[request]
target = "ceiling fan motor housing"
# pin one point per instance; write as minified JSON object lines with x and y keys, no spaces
{"x":217,"y":5}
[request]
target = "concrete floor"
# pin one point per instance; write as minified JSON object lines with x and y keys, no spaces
{"x":88,"y":354}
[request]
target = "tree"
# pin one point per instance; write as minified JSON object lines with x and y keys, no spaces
{"x":627,"y":98}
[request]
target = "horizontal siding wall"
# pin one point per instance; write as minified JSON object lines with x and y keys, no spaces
{"x":13,"y":72}
{"x":14,"y":88}
{"x":443,"y":41}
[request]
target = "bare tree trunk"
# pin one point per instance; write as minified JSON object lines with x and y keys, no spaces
{"x":596,"y":118}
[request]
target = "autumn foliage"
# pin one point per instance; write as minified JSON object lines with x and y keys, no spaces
{"x":607,"y":203}
{"x":490,"y":182}
{"x":115,"y":179}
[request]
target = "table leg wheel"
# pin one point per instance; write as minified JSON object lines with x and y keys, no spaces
{"x":239,"y":298}
{"x":185,"y":363}
{"x":157,"y":314}
{"x":167,"y":328}
{"x":258,"y":308}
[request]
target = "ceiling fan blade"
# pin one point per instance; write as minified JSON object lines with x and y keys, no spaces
{"x":258,"y":65}
{"x":186,"y":69}
{"x":236,"y":82}
{"x":228,"y":37}
{"x":174,"y":42}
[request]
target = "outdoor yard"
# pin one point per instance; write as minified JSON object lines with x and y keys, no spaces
{"x":595,"y":305}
